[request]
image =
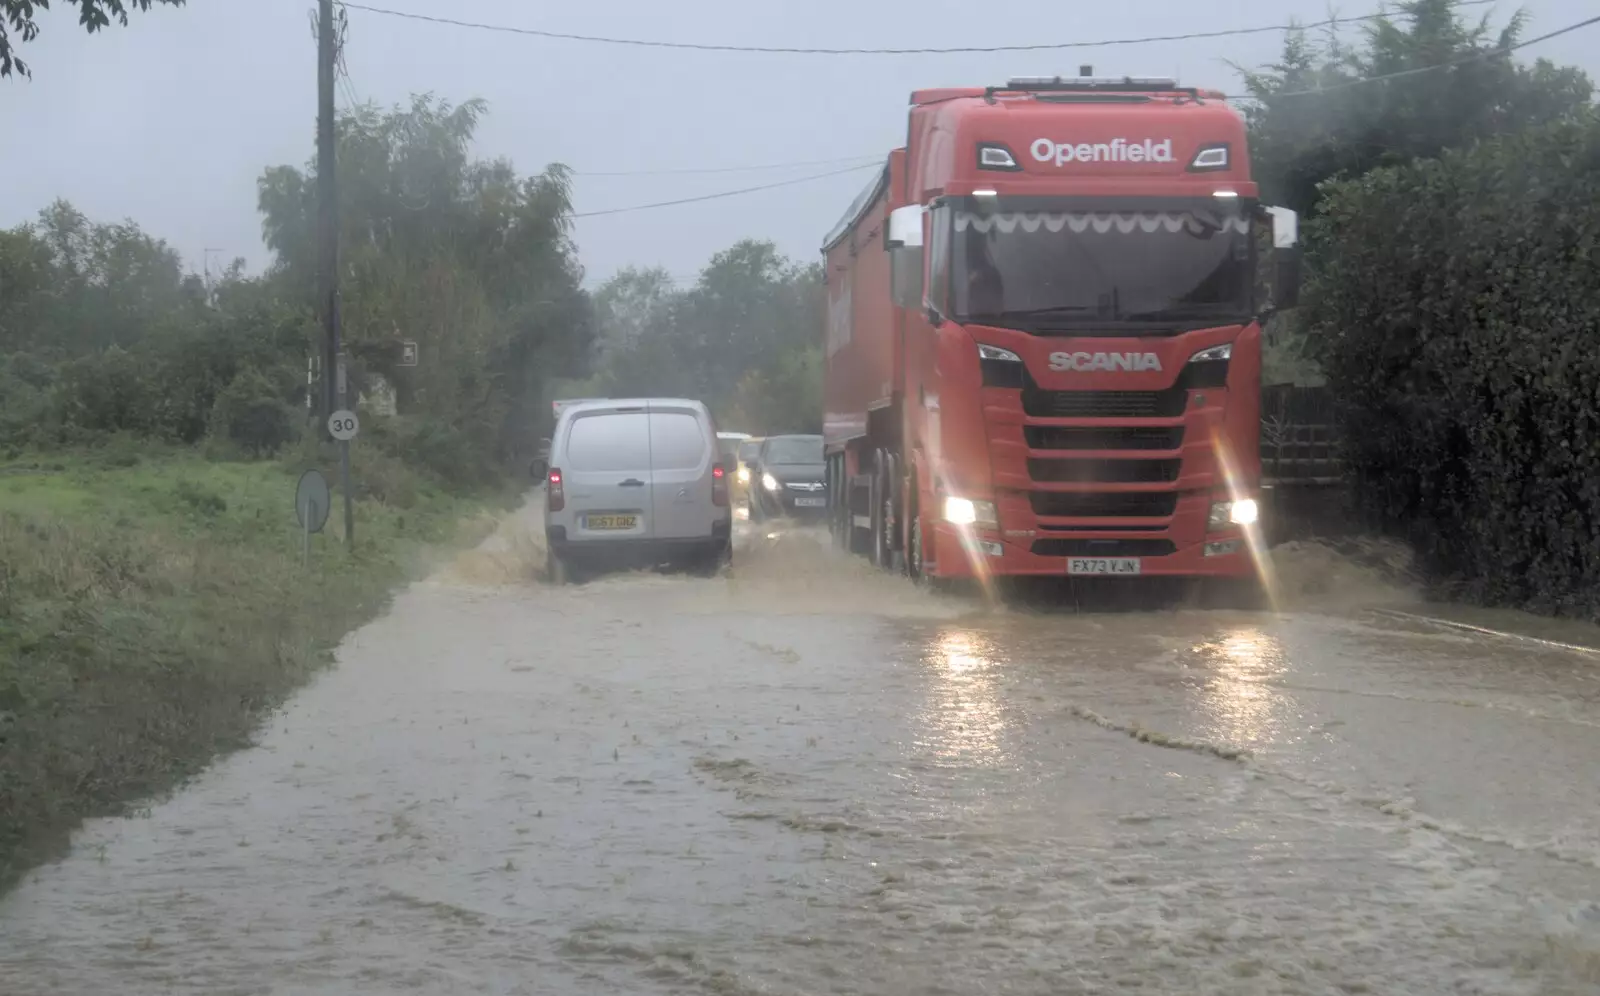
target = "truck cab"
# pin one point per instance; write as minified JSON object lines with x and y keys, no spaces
{"x":1056,"y":370}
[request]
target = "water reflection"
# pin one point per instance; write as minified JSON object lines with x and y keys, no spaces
{"x":962,"y":721}
{"x":1243,"y":706}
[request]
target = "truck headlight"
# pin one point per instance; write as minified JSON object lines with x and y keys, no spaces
{"x":966,"y":512}
{"x":1243,"y":512}
{"x":769,"y":482}
{"x":744,"y":474}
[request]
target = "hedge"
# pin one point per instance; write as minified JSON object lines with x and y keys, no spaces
{"x":1456,"y":307}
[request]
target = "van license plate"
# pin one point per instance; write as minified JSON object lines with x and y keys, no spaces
{"x":1104,"y":565}
{"x":810,"y":502}
{"x":598,"y":523}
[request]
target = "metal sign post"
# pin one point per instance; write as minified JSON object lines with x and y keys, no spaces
{"x":343,"y":425}
{"x":311,"y":502}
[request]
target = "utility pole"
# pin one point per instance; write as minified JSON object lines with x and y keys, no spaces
{"x":328,"y":247}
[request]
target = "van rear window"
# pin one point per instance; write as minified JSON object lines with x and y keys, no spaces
{"x":617,"y":441}
{"x":677,"y":442}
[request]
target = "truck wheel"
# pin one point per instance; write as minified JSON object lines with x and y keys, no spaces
{"x":838,"y":505}
{"x":877,"y":497}
{"x":914,"y":553}
{"x":915,"y":557}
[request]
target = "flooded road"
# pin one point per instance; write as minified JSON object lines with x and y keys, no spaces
{"x":805,"y":778}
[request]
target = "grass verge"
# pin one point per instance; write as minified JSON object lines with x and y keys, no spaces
{"x":153,"y":607}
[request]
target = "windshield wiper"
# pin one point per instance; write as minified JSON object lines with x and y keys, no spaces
{"x":1217,"y":313}
{"x":1050,"y":312}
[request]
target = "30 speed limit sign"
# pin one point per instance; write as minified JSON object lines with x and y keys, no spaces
{"x":343,"y":425}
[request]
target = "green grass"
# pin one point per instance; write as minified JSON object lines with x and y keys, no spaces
{"x":153,"y":607}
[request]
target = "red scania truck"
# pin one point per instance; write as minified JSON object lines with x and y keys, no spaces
{"x":1043,"y":343}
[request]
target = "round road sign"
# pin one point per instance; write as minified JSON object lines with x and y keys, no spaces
{"x":343,"y":425}
{"x":312,"y":499}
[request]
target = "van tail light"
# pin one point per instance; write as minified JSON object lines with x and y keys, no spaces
{"x":555,"y":496}
{"x":719,"y":485}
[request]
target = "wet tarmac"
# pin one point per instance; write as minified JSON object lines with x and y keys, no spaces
{"x":805,"y":778}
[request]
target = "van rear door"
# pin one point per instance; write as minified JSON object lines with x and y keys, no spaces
{"x":682,"y":452}
{"x":608,"y":477}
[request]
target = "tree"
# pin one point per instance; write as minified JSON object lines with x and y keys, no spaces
{"x":1312,"y":119}
{"x":626,"y":306}
{"x":69,"y":285}
{"x":473,"y":262}
{"x":16,"y":17}
{"x":745,"y":338}
{"x":1457,"y":301}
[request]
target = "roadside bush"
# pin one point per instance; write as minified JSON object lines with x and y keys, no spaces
{"x":250,"y":413}
{"x":1457,"y":315}
{"x":111,"y":391}
{"x":461,"y":461}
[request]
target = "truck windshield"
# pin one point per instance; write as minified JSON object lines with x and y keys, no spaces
{"x":1083,"y":270}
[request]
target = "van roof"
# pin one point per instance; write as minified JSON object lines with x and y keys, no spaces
{"x":636,"y":404}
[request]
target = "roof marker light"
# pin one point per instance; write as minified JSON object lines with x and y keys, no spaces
{"x":1209,"y":159}
{"x":992,"y":155}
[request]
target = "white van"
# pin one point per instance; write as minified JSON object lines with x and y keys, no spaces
{"x":636,"y":482}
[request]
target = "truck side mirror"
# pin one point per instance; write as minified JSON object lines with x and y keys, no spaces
{"x":1286,"y":257}
{"x":904,"y":244}
{"x":539,"y":468}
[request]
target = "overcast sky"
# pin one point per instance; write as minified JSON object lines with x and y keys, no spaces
{"x":170,"y":121}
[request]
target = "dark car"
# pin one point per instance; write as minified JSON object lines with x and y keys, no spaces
{"x":786,"y":479}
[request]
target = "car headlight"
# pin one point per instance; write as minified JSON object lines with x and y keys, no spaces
{"x":769,"y":482}
{"x":966,"y":512}
{"x":1243,"y":512}
{"x":744,"y":474}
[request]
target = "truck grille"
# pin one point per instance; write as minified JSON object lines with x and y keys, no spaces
{"x":1039,"y":403}
{"x":1103,"y":547}
{"x":1126,"y":504}
{"x":1105,"y":471}
{"x":1044,"y":437}
{"x":1104,"y":404}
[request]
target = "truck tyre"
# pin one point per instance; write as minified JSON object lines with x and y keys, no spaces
{"x":877,"y":496}
{"x":915,"y":556}
{"x":860,"y":539}
{"x":838,"y":508}
{"x":893,"y":514}
{"x":915,"y":551}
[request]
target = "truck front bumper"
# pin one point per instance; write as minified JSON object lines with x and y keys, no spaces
{"x":973,"y":552}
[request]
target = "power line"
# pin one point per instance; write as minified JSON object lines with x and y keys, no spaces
{"x":856,"y":160}
{"x":1420,"y":70}
{"x":955,"y":50}
{"x":725,"y":193}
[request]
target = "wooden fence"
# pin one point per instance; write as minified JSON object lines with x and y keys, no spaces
{"x":1299,"y":442}
{"x":1302,"y":478}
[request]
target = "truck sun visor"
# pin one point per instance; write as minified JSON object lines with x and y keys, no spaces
{"x":1126,"y":223}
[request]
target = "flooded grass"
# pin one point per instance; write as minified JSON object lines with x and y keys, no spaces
{"x":153,"y":608}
